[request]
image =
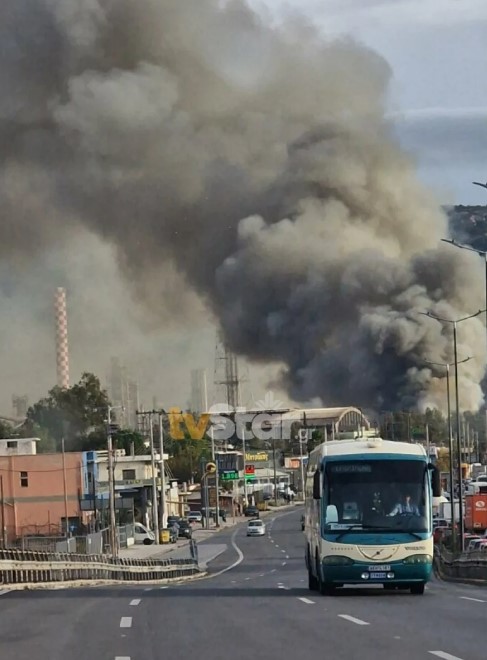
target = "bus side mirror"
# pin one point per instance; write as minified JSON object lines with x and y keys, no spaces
{"x":435,"y":480}
{"x":317,"y":485}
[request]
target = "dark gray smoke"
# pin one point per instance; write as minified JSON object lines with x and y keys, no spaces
{"x":258,"y":162}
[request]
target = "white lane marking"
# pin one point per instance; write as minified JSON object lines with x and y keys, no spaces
{"x":445,"y":656}
{"x":247,"y":578}
{"x":135,"y":601}
{"x":148,"y":589}
{"x":281,"y":586}
{"x":126,"y":622}
{"x":307,"y":601}
{"x":277,"y":545}
{"x":283,"y":551}
{"x":274,"y":570}
{"x":283,"y":563}
{"x":475,"y":600}
{"x":359,"y":622}
{"x":3,"y":592}
{"x":239,"y":553}
{"x":287,"y":556}
{"x":262,"y":575}
{"x":166,"y":587}
{"x":122,"y":657}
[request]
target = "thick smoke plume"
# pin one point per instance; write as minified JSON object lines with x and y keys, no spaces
{"x":258,"y":162}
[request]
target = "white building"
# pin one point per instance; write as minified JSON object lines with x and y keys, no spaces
{"x":18,"y":446}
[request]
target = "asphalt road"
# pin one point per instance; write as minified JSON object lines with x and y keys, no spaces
{"x":260,"y":609}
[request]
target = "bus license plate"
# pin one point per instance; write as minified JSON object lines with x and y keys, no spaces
{"x":378,"y":576}
{"x":379,"y":567}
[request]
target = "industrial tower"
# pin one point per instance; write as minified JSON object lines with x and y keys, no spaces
{"x":226,"y":378}
{"x":62,"y":348}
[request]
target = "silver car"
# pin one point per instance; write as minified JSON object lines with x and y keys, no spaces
{"x":256,"y":528}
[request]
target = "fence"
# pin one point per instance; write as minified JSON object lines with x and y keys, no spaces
{"x":468,"y":566}
{"x":46,"y":544}
{"x":24,"y":567}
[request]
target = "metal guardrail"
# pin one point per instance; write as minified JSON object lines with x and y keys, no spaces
{"x":467,"y":566}
{"x":24,"y":567}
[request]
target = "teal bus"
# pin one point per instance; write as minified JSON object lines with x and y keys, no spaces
{"x":368,"y":514}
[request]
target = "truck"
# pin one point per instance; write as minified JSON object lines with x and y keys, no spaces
{"x":355,"y":534}
{"x":476,"y":513}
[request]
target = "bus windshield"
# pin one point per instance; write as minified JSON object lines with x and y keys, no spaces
{"x":378,"y":495}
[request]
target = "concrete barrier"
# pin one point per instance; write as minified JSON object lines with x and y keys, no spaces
{"x":29,"y":567}
{"x":469,"y":567}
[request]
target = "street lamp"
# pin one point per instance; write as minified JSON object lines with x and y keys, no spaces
{"x":447,"y":366}
{"x":454,"y":322}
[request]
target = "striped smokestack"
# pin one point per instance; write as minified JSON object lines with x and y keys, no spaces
{"x":62,"y":352}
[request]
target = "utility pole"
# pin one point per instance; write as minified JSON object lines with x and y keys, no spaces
{"x":4,"y":529}
{"x":275,"y":468}
{"x":301,"y":465}
{"x":155,"y":516}
{"x":66,"y":515}
{"x":111,"y":488}
{"x":244,"y":451}
{"x":217,"y":494}
{"x":163,"y":474}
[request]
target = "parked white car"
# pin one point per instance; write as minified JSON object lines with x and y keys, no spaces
{"x":195,"y":516}
{"x":256,"y":528}
{"x":143,"y":535}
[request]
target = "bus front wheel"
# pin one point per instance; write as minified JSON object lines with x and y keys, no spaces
{"x":417,"y":589}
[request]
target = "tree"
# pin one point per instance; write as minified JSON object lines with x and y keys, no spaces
{"x":5,"y":430}
{"x":73,"y":413}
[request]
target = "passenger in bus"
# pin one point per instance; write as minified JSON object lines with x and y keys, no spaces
{"x":405,"y":507}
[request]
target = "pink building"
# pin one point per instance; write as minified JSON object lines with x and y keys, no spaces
{"x":38,"y":491}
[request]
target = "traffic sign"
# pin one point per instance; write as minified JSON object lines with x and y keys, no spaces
{"x":211,"y":468}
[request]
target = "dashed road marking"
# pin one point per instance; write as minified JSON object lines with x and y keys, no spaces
{"x":277,"y":545}
{"x":359,"y":622}
{"x":283,"y":563}
{"x":475,"y":600}
{"x":287,"y":556}
{"x":445,"y":656}
{"x":126,"y":622}
{"x":283,"y":551}
{"x":148,"y":589}
{"x":307,"y":601}
{"x":164,"y":587}
{"x":122,"y":657}
{"x":281,"y":586}
{"x":135,"y":601}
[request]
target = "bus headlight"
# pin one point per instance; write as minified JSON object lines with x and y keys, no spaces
{"x":337,"y":560}
{"x":418,"y":559}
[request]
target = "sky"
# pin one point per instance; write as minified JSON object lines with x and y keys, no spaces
{"x":438,"y":100}
{"x":437,"y":52}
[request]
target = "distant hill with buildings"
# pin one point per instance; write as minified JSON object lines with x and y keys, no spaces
{"x":468,"y":224}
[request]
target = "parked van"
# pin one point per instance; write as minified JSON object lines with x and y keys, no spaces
{"x":143,"y":535}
